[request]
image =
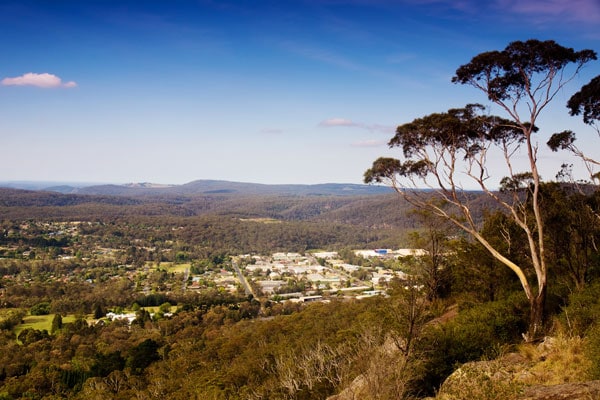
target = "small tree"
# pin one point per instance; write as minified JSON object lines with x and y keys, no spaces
{"x":433,"y":267}
{"x":99,"y":311}
{"x":406,"y":314}
{"x":441,"y":149}
{"x":57,"y":323}
{"x":42,"y":308}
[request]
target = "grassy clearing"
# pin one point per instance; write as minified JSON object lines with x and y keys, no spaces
{"x":173,"y":268}
{"x":40,"y":322}
{"x":262,"y":220}
{"x":155,"y":309}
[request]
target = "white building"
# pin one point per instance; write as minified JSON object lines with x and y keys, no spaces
{"x":326,"y":254}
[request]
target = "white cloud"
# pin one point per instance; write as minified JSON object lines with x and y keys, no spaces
{"x":369,"y":143}
{"x":338,"y":122}
{"x":587,"y":11}
{"x":333,"y":122}
{"x":271,"y":131}
{"x":43,"y":80}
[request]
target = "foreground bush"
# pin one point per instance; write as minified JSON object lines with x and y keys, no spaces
{"x":479,"y":332}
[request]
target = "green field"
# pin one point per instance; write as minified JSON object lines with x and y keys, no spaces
{"x":174,"y":268}
{"x":40,"y":322}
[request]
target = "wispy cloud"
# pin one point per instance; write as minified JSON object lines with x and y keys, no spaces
{"x":271,"y":131}
{"x":536,"y":11}
{"x":544,"y":10}
{"x":322,"y":55}
{"x":43,"y":80}
{"x":401,"y":58}
{"x":369,"y":143}
{"x":335,"y":122}
{"x":337,"y":60}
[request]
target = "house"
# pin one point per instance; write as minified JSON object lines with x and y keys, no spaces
{"x":327,"y":255}
{"x":270,"y":286}
{"x":308,"y":299}
{"x":409,"y":252}
{"x":349,"y":267}
{"x":129,"y":316}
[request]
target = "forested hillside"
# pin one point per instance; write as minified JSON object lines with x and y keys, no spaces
{"x":366,"y":210}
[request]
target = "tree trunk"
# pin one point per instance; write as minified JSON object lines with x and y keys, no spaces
{"x":537,"y":305}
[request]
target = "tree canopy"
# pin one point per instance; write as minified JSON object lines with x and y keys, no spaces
{"x":587,"y":102}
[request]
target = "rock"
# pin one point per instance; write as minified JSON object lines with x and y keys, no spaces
{"x":350,"y":392}
{"x":501,"y":369}
{"x":546,"y":347}
{"x":568,"y":391}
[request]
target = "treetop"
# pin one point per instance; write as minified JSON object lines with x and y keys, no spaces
{"x":502,"y":74}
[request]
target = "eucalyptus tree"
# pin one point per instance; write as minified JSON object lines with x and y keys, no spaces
{"x":587,"y":103}
{"x":442,"y":151}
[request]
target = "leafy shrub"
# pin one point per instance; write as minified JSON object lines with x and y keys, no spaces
{"x":592,"y":348}
{"x":142,"y":356}
{"x":583,"y":310}
{"x":11,"y":318}
{"x":29,"y":335}
{"x":152,"y":300}
{"x":165,"y":307}
{"x":479,"y":332}
{"x":42,"y":308}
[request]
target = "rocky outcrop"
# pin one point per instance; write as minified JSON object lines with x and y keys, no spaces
{"x":568,"y":391}
{"x":553,"y":370}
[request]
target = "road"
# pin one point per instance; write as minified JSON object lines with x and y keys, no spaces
{"x":186,"y":275}
{"x":242,"y":279}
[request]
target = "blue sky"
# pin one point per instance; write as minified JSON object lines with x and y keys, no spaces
{"x":254,"y":91}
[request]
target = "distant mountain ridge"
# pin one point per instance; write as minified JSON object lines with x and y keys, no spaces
{"x":304,"y":203}
{"x":204,"y":187}
{"x":358,"y":205}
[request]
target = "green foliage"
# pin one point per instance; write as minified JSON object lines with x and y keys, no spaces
{"x":11,"y":318}
{"x":508,"y":73}
{"x":587,"y":102}
{"x":79,"y":326}
{"x":106,"y":363}
{"x":73,"y":378}
{"x":29,"y":336}
{"x":57,"y":323}
{"x":572,"y":231}
{"x":141,"y":317}
{"x":475,"y":333}
{"x":142,"y":355}
{"x":582,"y":317}
{"x":165,"y":307}
{"x":592,"y":348}
{"x":99,"y":311}
{"x":40,"y":309}
{"x":152,"y":300}
{"x":583,"y":310}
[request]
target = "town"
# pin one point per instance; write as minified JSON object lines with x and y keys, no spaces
{"x":308,"y":277}
{"x":81,"y":252}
